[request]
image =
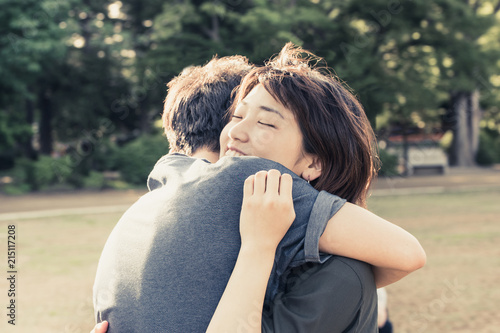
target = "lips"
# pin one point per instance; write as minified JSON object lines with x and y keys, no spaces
{"x":233,"y":151}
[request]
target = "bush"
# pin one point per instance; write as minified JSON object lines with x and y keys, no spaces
{"x":102,"y":158}
{"x":22,"y":172}
{"x":489,"y":147}
{"x":40,"y":174}
{"x":48,"y":171}
{"x":136,"y":159}
{"x":388,"y":164}
{"x":45,"y":172}
{"x":94,"y":180}
{"x":15,"y":189}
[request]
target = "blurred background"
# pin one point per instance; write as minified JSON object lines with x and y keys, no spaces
{"x":82,"y":81}
{"x":81,"y":89}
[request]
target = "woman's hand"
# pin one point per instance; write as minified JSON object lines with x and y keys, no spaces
{"x":267,"y":210}
{"x":266,"y":214}
{"x":100,"y":328}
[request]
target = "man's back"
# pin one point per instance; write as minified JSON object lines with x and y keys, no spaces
{"x":169,"y":258}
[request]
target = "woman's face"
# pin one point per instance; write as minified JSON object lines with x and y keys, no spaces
{"x":262,"y":127}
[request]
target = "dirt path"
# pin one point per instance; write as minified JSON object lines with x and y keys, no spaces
{"x":455,"y":179}
{"x":76,"y":199}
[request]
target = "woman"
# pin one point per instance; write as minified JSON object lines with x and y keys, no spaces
{"x":330,"y":142}
{"x":305,"y":120}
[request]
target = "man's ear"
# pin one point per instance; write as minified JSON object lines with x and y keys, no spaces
{"x":312,"y":170}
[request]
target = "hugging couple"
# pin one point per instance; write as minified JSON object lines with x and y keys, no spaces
{"x":255,"y":221}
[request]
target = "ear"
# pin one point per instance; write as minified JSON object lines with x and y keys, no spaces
{"x":312,"y":169}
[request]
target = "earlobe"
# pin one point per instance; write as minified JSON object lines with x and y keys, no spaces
{"x":313,"y":170}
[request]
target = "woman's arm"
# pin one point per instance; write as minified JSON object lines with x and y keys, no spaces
{"x":356,"y":233}
{"x":267,"y":213}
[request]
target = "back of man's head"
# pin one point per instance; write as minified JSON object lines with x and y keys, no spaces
{"x":197,"y":100}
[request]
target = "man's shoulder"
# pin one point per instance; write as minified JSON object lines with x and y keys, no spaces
{"x":242,"y":165}
{"x":172,"y":166}
{"x":246,"y":164}
{"x":174,"y":159}
{"x":250,"y":164}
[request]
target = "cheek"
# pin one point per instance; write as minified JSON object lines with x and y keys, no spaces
{"x":264,"y":138}
{"x":224,"y":137}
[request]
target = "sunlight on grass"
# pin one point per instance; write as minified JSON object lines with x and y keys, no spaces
{"x":457,"y":289}
{"x":459,"y":231}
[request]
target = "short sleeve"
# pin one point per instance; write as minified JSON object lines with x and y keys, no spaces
{"x":324,"y":208}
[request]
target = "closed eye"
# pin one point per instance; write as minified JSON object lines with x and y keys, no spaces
{"x":236,"y":117}
{"x":265,"y":124}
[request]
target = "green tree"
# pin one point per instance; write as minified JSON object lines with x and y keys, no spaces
{"x":458,"y":31}
{"x":30,"y":44}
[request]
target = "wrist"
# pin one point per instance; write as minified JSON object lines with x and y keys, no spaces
{"x":258,"y":248}
{"x":258,"y":255}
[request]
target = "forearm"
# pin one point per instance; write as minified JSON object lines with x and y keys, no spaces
{"x":359,"y":234}
{"x":243,"y":299}
{"x":386,"y":276}
{"x":266,"y":214}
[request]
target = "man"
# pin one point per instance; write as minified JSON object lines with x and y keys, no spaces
{"x":149,"y":274}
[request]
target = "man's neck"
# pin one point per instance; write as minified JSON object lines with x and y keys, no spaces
{"x":207,"y":154}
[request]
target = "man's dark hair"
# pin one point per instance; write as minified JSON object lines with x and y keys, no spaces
{"x":197,"y":100}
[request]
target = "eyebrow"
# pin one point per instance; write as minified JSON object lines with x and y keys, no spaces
{"x":266,"y":108}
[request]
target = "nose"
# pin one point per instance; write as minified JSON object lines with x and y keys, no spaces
{"x":239,"y":131}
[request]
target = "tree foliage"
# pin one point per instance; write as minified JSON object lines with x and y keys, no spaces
{"x":77,"y":73}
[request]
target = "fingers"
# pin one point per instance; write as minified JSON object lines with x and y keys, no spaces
{"x":286,"y":185}
{"x":248,"y":186}
{"x":100,"y":328}
{"x":267,"y":211}
{"x":269,"y":182}
{"x":273,"y":181}
{"x":260,"y":183}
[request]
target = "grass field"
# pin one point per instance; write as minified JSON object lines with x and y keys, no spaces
{"x":459,"y":288}
{"x":457,"y":291}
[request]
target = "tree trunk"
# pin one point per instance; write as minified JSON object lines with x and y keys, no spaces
{"x":29,"y":150}
{"x":406,"y":152}
{"x":476,"y":115}
{"x":214,"y":32}
{"x":45,"y":122}
{"x":466,"y":114}
{"x":144,"y":120}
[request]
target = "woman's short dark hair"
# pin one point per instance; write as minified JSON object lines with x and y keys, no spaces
{"x":197,"y":100}
{"x":332,"y":121}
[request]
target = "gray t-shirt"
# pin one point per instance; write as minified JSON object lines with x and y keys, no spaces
{"x":167,"y":262}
